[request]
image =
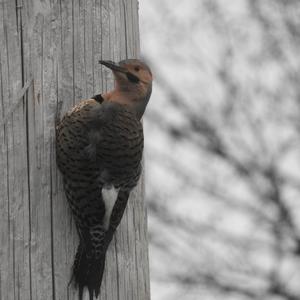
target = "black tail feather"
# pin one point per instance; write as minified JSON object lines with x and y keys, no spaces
{"x":88,"y":272}
{"x":88,"y":267}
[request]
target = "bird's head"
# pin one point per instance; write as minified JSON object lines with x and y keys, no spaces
{"x":133,"y":83}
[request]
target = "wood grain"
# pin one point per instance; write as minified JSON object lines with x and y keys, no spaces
{"x":58,"y":43}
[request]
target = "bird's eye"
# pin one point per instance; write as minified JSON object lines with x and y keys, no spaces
{"x":137,"y":68}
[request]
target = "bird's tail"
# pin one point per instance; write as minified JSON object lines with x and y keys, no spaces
{"x":88,"y":271}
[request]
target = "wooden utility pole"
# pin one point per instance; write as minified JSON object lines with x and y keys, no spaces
{"x":49,"y":52}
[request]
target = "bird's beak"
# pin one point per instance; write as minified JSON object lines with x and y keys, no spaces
{"x":113,"y":66}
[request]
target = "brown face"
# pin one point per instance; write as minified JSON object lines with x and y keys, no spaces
{"x":133,"y":84}
{"x":130,"y":71}
{"x":140,"y":72}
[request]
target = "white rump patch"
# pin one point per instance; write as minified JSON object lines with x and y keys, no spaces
{"x":109,"y":196}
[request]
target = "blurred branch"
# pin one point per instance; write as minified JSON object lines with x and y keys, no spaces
{"x":195,"y":279}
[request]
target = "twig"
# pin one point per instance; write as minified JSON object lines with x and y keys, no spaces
{"x":19,"y":97}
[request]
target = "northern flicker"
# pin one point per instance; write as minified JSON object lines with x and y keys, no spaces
{"x":99,"y":146}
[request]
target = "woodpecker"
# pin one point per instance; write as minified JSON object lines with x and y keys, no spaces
{"x":99,"y":147}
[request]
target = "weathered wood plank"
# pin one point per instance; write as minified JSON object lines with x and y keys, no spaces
{"x":41,"y":64}
{"x":58,"y":43}
{"x":14,"y":259}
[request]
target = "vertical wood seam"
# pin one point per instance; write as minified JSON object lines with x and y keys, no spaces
{"x":29,"y":196}
{"x":125,"y":28}
{"x":51,"y":222}
{"x":73,"y":51}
